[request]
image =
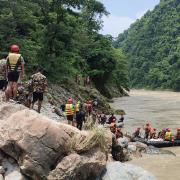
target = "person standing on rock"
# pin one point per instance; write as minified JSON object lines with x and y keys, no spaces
{"x":14,"y":63}
{"x":80,"y":118}
{"x":3,"y":81}
{"x":70,"y":111}
{"x":39,"y":86}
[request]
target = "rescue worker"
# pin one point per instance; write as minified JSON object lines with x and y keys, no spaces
{"x":80,"y":118}
{"x":137,"y":133}
{"x":113,"y":128}
{"x":168,"y":135}
{"x":119,"y":133}
{"x":162,"y":133}
{"x":147,"y":130}
{"x":69,"y":109}
{"x":152,"y":133}
{"x":178,"y":134}
{"x":14,"y":62}
{"x":39,"y":86}
{"x":89,"y":107}
{"x":78,"y":104}
{"x":3,"y":81}
{"x":111,"y":119}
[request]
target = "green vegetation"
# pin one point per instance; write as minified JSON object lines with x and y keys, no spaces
{"x":62,"y":37}
{"x":152,"y":45}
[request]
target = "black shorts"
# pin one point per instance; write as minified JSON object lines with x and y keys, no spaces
{"x":37,"y":96}
{"x":3,"y":84}
{"x":13,"y":76}
{"x":70,"y":117}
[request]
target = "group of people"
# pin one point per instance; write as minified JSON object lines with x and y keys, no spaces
{"x":86,"y":80}
{"x":76,"y":113}
{"x":151,"y":133}
{"x":12,"y":75}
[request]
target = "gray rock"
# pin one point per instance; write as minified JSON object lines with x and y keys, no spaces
{"x":123,"y":142}
{"x":119,"y":171}
{"x":2,"y":171}
{"x":1,"y":177}
{"x":131,"y":148}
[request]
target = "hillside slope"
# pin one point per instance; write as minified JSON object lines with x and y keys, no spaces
{"x":153,"y":47}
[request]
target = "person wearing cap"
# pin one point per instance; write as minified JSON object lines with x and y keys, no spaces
{"x":119,"y":133}
{"x":14,"y":62}
{"x":147,"y":130}
{"x":168,"y":135}
{"x":152,"y":133}
{"x":137,"y":133}
{"x":177,"y":137}
{"x":69,"y":109}
{"x":162,"y":133}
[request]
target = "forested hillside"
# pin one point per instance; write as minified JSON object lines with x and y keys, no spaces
{"x":153,"y":47}
{"x":62,"y":37}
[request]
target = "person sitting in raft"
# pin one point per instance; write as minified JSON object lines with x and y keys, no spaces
{"x":137,"y":133}
{"x":119,"y":133}
{"x":147,"y":131}
{"x":113,"y":128}
{"x":168,"y":135}
{"x":177,"y":137}
{"x":162,"y":133}
{"x":152,"y":133}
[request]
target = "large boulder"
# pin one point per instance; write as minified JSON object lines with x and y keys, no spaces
{"x":119,"y":171}
{"x":79,"y":167}
{"x":38,"y":144}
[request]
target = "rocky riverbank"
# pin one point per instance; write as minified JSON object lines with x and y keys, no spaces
{"x":33,"y":146}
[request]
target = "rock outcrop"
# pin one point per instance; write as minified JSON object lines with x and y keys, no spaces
{"x":41,"y":147}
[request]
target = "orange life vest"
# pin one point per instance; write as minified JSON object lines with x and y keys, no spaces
{"x":69,"y":109}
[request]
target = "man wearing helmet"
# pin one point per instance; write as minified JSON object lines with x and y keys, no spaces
{"x":69,"y":109}
{"x":14,"y":62}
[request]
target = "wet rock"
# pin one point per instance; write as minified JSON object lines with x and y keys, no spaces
{"x":2,"y":170}
{"x":123,"y":142}
{"x":131,"y":148}
{"x":119,"y":171}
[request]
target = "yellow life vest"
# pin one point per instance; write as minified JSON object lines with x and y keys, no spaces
{"x":69,"y":109}
{"x":77,"y":107}
{"x":13,"y":61}
{"x":168,"y":136}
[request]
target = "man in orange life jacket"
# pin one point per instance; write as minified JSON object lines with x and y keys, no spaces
{"x":14,"y":62}
{"x":69,"y":109}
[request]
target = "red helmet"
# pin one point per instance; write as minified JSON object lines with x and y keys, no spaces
{"x":70,"y":100}
{"x":15,"y":48}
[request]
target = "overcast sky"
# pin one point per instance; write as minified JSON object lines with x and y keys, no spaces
{"x":123,"y":13}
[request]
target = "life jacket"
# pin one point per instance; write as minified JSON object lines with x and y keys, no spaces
{"x":13,"y":61}
{"x":168,"y":136}
{"x":69,"y":109}
{"x":178,"y":135}
{"x":77,"y":107}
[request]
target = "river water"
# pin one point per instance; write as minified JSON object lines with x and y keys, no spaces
{"x":162,"y":110}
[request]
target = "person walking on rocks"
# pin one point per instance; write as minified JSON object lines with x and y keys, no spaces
{"x":69,"y":109}
{"x":14,"y":62}
{"x":3,"y":81}
{"x":39,"y":86}
{"x":80,"y":118}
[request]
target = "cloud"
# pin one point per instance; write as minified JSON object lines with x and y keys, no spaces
{"x":115,"y":25}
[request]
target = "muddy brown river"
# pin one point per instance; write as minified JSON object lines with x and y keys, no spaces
{"x":162,"y":110}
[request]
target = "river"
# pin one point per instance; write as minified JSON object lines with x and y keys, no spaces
{"x":162,"y":110}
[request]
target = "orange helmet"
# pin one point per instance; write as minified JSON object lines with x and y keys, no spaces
{"x":15,"y":48}
{"x":70,"y":100}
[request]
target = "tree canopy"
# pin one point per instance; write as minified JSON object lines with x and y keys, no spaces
{"x":152,"y":45}
{"x":62,"y":37}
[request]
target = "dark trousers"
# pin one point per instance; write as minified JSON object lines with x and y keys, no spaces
{"x":79,"y":125}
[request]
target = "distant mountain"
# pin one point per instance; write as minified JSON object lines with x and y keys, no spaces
{"x":152,"y":45}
